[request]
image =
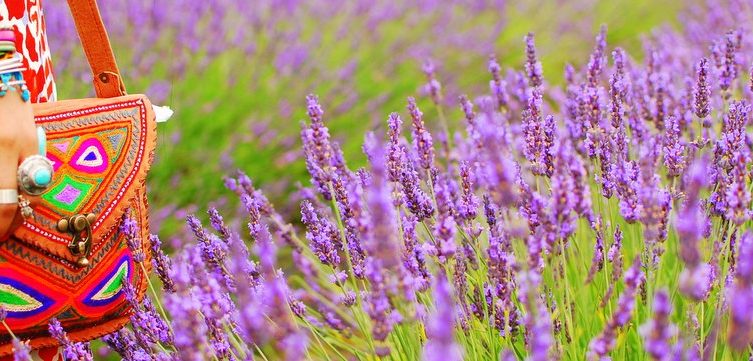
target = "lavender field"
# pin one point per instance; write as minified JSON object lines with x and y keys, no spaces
{"x":460,"y":180}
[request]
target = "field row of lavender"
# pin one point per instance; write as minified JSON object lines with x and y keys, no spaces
{"x":598,"y":213}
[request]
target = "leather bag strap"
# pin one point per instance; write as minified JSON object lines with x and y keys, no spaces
{"x":91,"y":30}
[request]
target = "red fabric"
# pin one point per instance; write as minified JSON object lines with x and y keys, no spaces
{"x":27,"y":20}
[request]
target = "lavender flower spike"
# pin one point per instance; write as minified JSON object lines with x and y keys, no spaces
{"x":533,"y":65}
{"x":71,"y":350}
{"x":317,"y":147}
{"x":433,"y":87}
{"x":422,"y":140}
{"x":741,"y":297}
{"x":441,"y":345}
{"x":497,"y":85}
{"x":21,"y":350}
{"x":658,"y":331}
{"x":599,"y":347}
{"x":702,"y":92}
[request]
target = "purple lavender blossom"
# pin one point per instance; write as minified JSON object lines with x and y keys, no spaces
{"x":317,"y":147}
{"x":322,"y":234}
{"x":537,"y":146}
{"x":396,"y":151}
{"x":562,"y":203}
{"x":414,"y":256}
{"x":674,"y":150}
{"x":350,"y":203}
{"x":414,"y":197}
{"x":533,"y":66}
{"x":497,"y":85}
{"x":161,"y":264}
{"x":422,"y":140}
{"x":741,"y":319}
{"x":658,"y":332}
{"x":218,"y":223}
{"x":79,"y":351}
{"x":433,"y":87}
{"x":441,"y":343}
{"x":445,"y":227}
{"x":597,"y":262}
{"x":21,"y":350}
{"x":597,"y":62}
{"x":130,"y":229}
{"x":467,"y":207}
{"x":738,"y":192}
{"x":732,"y":42}
{"x":384,"y":268}
{"x":702,"y":92}
{"x":600,"y":346}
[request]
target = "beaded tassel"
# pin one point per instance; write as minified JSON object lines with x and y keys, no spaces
{"x":11,"y":66}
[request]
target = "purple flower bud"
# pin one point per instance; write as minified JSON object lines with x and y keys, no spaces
{"x":562,"y":203}
{"x":597,"y":61}
{"x":732,"y":41}
{"x":415,"y":198}
{"x":533,"y":66}
{"x":396,"y":152}
{"x":218,"y":223}
{"x":696,"y":281}
{"x":317,"y":147}
{"x":740,"y":334}
{"x":674,"y":151}
{"x":600,"y":346}
{"x":597,"y":262}
{"x":738,"y":192}
{"x":497,"y":85}
{"x":414,"y":257}
{"x":433,"y":87}
{"x":441,"y":343}
{"x":71,"y":350}
{"x":467,"y":208}
{"x":533,"y":132}
{"x":540,"y":328}
{"x":627,"y":189}
{"x":349,"y":201}
{"x":323,"y":236}
{"x":658,"y":331}
{"x":130,"y":229}
{"x":21,"y":350}
{"x":422,"y":140}
{"x":702,"y":92}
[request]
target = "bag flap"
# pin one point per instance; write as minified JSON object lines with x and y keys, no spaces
{"x":101,"y":149}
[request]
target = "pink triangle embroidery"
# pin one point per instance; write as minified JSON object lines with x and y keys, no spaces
{"x":62,"y":147}
{"x":91,"y":157}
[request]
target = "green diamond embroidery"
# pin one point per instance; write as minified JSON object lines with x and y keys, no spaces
{"x":69,"y":194}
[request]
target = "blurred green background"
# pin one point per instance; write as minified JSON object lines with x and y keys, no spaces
{"x":237,"y":76}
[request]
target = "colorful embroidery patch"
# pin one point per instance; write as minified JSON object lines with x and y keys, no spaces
{"x":15,"y":300}
{"x":21,"y":300}
{"x":110,"y":286}
{"x":69,"y":194}
{"x":91,"y":157}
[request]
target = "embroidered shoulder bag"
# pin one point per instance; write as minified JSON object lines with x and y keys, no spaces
{"x":71,"y":260}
